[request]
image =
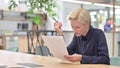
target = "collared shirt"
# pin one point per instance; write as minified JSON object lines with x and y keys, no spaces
{"x":92,"y":47}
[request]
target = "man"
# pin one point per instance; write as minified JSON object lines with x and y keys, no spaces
{"x":89,"y":44}
{"x":108,"y":25}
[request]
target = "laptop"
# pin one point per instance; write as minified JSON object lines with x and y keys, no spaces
{"x":56,"y":46}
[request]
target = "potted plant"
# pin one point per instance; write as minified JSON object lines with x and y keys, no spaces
{"x":41,"y":6}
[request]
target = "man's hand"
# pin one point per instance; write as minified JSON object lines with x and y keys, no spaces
{"x":74,"y":58}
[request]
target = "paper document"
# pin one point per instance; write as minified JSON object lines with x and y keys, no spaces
{"x":56,"y":46}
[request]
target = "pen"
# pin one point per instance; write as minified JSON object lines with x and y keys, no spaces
{"x":57,"y":22}
{"x":54,"y":19}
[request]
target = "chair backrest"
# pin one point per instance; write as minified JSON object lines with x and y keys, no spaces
{"x":115,"y":61}
{"x":42,"y":50}
{"x":34,"y":40}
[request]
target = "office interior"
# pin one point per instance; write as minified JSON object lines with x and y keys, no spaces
{"x":14,"y":26}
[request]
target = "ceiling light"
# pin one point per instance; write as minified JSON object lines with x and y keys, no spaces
{"x":106,"y":5}
{"x":80,"y":2}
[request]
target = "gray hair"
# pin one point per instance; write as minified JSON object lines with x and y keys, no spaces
{"x":81,"y":15}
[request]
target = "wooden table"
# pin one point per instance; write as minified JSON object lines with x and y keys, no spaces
{"x":11,"y":59}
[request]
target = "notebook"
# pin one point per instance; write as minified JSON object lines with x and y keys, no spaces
{"x":30,"y":65}
{"x":56,"y":46}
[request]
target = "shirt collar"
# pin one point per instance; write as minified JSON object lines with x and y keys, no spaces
{"x":88,"y":35}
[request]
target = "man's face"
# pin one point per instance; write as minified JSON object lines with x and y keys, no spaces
{"x":78,"y":28}
{"x":110,"y":21}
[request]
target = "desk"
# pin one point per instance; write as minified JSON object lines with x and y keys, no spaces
{"x":12,"y":58}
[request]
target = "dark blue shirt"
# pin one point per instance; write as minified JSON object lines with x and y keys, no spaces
{"x":92,"y":47}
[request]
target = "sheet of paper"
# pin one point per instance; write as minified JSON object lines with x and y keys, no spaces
{"x":56,"y":46}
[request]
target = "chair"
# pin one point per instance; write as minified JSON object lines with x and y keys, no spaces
{"x":115,"y":61}
{"x":35,"y":45}
{"x":42,"y":50}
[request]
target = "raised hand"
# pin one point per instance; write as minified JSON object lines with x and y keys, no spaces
{"x":57,"y":27}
